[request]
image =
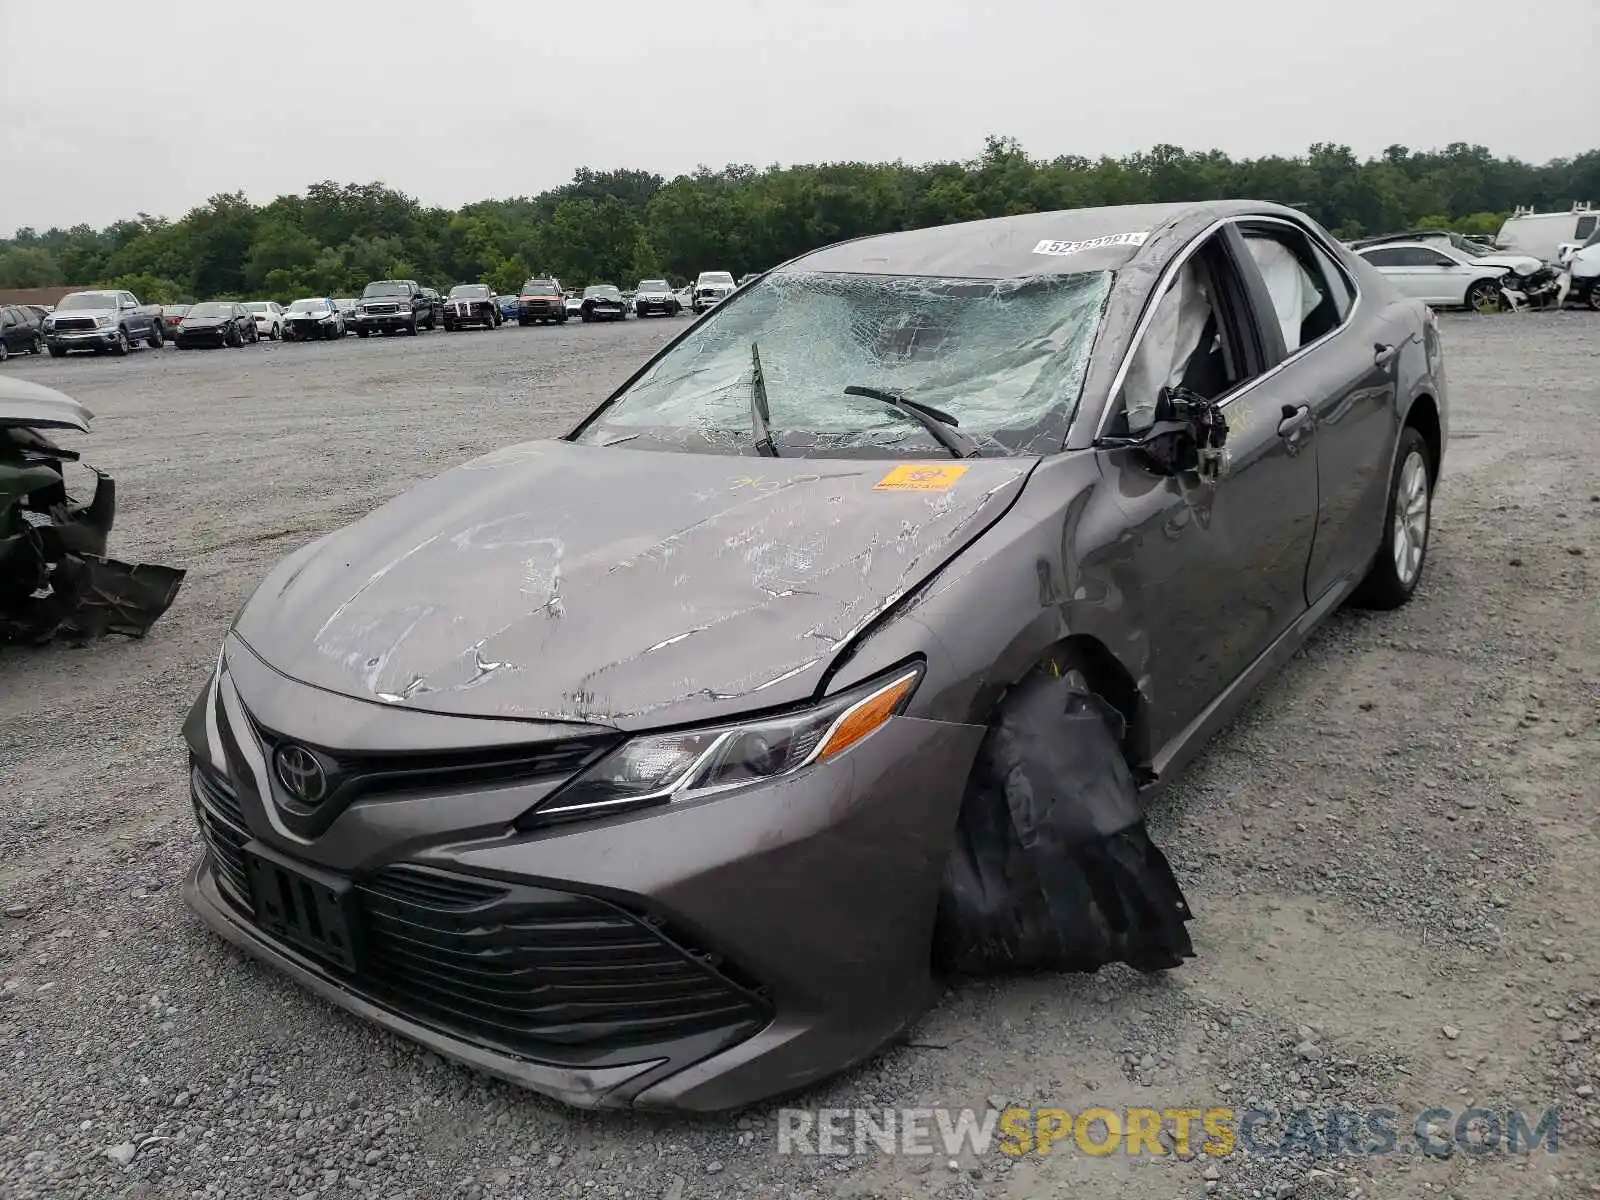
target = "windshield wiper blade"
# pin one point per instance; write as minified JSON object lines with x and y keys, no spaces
{"x":941,"y":426}
{"x":760,"y":414}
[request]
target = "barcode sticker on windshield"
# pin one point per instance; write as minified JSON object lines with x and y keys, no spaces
{"x":920,"y":478}
{"x":1111,"y":239}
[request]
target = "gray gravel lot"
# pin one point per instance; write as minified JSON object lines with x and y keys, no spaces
{"x":1394,"y":856}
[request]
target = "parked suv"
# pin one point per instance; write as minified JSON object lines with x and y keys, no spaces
{"x":711,"y":289}
{"x":100,"y":321}
{"x":541,"y":300}
{"x":20,"y":331}
{"x":388,"y":305}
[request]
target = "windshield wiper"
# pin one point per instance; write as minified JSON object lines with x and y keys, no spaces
{"x":760,"y":414}
{"x":941,"y":426}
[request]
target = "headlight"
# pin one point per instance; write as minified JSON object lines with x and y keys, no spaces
{"x":663,"y":768}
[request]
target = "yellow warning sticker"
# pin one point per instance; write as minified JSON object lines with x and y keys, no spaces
{"x":920,"y":478}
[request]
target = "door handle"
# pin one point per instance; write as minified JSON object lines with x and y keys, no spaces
{"x":1382,"y":353}
{"x":1295,"y":418}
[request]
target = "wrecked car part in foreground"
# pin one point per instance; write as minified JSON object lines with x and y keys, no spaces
{"x":656,"y":765}
{"x":55,"y":579}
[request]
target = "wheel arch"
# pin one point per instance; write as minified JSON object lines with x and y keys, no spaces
{"x":1423,"y":416}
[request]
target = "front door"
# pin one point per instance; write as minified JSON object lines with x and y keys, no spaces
{"x":1222,"y":563}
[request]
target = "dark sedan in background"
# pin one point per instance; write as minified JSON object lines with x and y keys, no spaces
{"x":658,"y":765}
{"x":542,"y":301}
{"x":216,"y":323}
{"x":20,"y":331}
{"x":603,"y":302}
{"x":656,"y":296}
{"x":471,"y":304}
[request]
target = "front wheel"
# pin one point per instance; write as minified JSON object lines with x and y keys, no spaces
{"x":156,"y":339}
{"x":1484,"y":296}
{"x":122,"y":345}
{"x":361,"y":333}
{"x":273,"y":334}
{"x":1394,"y":574}
{"x":1593,"y":299}
{"x":5,"y":350}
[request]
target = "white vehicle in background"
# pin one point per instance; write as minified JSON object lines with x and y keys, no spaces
{"x":1583,"y":266}
{"x":313,"y":318}
{"x":1551,"y":237}
{"x":347,"y":309}
{"x":1443,"y":276}
{"x":268,"y":316}
{"x":711,"y":289}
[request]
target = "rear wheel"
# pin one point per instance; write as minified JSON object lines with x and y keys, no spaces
{"x":36,"y":346}
{"x":1484,"y":296}
{"x":1394,"y":574}
{"x":1593,"y":298}
{"x":273,"y":333}
{"x":156,"y":339}
{"x":5,"y":350}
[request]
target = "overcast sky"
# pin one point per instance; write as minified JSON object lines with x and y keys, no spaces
{"x":458,"y":100}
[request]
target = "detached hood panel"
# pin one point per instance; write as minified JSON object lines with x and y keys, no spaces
{"x":551,"y":581}
{"x":38,"y":407}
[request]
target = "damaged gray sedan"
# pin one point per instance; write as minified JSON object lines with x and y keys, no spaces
{"x":666,"y":763}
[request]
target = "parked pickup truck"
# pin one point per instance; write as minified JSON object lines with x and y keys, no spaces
{"x":391,"y":305}
{"x":101,"y":321}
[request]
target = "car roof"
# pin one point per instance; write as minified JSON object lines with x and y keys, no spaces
{"x":1030,"y":244}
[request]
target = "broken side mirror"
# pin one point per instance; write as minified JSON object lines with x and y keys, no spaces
{"x":1187,"y":435}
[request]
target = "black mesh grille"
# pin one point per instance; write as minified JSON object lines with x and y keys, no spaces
{"x":223,"y":829}
{"x":419,"y":885}
{"x":75,"y":324}
{"x":543,"y":974}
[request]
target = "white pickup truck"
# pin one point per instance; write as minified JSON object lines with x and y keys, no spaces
{"x":711,"y":289}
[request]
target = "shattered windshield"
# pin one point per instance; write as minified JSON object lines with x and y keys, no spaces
{"x":605,"y":291}
{"x":1006,"y":358}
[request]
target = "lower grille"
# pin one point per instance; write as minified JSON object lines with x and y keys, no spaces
{"x":223,"y":829}
{"x":542,"y":974}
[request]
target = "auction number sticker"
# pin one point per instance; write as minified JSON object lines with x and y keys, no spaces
{"x":1111,"y":239}
{"x":913,"y":478}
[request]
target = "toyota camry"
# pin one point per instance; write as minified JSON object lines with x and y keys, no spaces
{"x":667,"y":763}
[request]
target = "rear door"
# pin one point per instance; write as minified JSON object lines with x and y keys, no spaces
{"x":1226,"y":557}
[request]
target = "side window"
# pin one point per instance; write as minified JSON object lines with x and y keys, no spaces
{"x":1192,"y":341}
{"x":1432,"y":258}
{"x":1385,"y":257}
{"x":6,"y":319}
{"x":1585,"y":227}
{"x":1301,"y":298}
{"x":1339,"y":285}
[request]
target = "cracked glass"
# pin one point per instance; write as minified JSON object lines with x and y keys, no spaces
{"x":1006,"y":358}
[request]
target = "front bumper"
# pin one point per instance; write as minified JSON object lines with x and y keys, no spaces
{"x":400,"y":320}
{"x":82,"y":339}
{"x":541,"y":312}
{"x":804,"y":907}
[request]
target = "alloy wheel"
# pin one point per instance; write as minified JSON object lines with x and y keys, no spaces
{"x":1410,"y":518}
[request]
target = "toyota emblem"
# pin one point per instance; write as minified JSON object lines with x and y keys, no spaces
{"x":301,"y":774}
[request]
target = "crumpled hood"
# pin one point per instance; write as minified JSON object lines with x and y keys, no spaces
{"x":554,"y":581}
{"x":1522,"y":264}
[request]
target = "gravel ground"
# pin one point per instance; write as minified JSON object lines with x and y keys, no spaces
{"x":1391,"y":855}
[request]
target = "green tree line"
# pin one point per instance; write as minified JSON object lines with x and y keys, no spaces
{"x":621,"y":226}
